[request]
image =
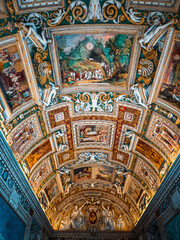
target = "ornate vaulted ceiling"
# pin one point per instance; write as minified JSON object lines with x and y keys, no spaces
{"x":89,"y":104}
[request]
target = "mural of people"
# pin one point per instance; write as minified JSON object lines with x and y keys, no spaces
{"x":93,"y":133}
{"x":94,"y":58}
{"x":170,"y":90}
{"x":13,"y":81}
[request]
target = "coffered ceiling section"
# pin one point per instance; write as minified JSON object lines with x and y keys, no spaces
{"x":89,"y":105}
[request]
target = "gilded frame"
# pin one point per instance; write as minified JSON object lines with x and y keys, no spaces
{"x":136,"y":31}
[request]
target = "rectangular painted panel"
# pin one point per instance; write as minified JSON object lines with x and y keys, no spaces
{"x":94,"y":58}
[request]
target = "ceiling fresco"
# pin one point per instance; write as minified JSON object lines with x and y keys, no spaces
{"x":89,"y":105}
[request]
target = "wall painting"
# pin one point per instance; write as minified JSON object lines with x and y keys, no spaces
{"x":38,"y":152}
{"x":94,"y":58}
{"x":51,"y":189}
{"x":170,"y":89}
{"x":13,"y":81}
{"x":150,"y":153}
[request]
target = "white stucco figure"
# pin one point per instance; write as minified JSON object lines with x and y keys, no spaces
{"x":59,"y":15}
{"x":64,"y":170}
{"x":50,"y":95}
{"x":41,"y":38}
{"x":155,"y":32}
{"x":133,"y":15}
{"x":109,"y":223}
{"x":120,"y":223}
{"x":60,"y":134}
{"x":68,"y":188}
{"x":65,"y":223}
{"x":118,"y":188}
{"x":136,"y":88}
{"x":164,"y":169}
{"x":77,"y":218}
{"x":121,"y":172}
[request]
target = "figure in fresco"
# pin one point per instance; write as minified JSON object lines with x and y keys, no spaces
{"x":133,"y":15}
{"x":170,"y":89}
{"x":77,"y":218}
{"x":108,"y":218}
{"x":96,"y":58}
{"x":12,"y":77}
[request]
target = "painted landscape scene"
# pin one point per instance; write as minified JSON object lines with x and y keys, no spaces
{"x":94,"y":58}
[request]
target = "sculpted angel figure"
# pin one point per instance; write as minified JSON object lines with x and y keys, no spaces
{"x":155,"y":32}
{"x":33,"y":31}
{"x":52,"y":93}
{"x":108,"y":218}
{"x":132,"y":14}
{"x":77,"y":218}
{"x":139,"y":94}
{"x":121,"y":172}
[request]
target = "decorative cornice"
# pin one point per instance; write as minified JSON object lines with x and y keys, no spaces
{"x":166,"y":186}
{"x":23,"y":185}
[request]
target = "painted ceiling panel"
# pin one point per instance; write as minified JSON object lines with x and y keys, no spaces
{"x":89,"y":105}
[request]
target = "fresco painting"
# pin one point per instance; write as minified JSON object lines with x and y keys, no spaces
{"x":102,"y":172}
{"x":11,"y":226}
{"x":94,"y":58}
{"x":66,"y":180}
{"x":168,"y":137}
{"x":40,"y":173}
{"x":39,"y":152}
{"x":135,"y":190}
{"x":13,"y":81}
{"x":83,"y":173}
{"x":51,"y":189}
{"x":150,"y":153}
{"x":170,"y":90}
{"x":164,"y":135}
{"x":93,"y":133}
{"x":24,"y":136}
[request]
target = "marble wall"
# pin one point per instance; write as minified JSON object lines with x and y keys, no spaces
{"x":11,"y":226}
{"x":172,"y":229}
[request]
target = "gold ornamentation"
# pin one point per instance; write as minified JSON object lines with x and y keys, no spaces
{"x":130,"y":20}
{"x":84,"y":98}
{"x":122,"y":18}
{"x":2,"y":120}
{"x":104,"y":97}
{"x":150,"y":55}
{"x":43,"y":67}
{"x":10,"y":7}
{"x":6,"y":27}
{"x":110,"y":12}
{"x":146,"y":80}
{"x":65,"y":16}
{"x":79,"y":13}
